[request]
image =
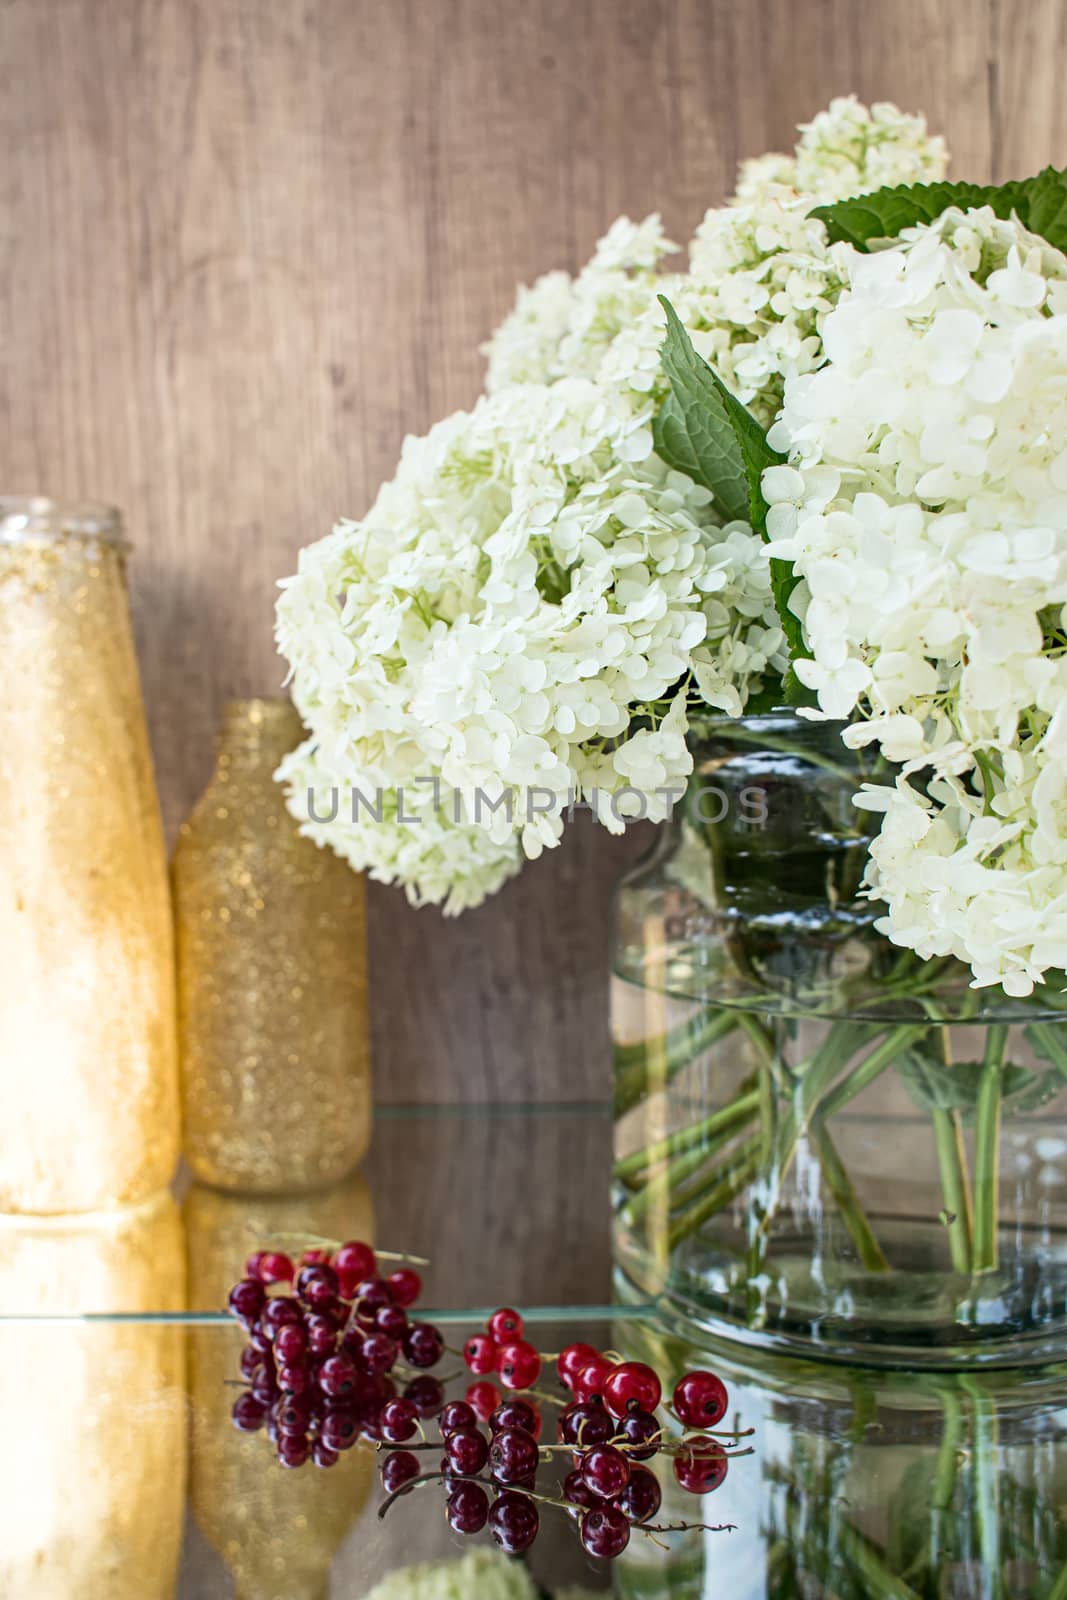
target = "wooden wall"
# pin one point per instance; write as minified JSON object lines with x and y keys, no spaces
{"x":245,"y":245}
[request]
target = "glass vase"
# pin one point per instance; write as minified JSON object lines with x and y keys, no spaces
{"x":272,"y":977}
{"x":822,"y":1140}
{"x":89,"y":1097}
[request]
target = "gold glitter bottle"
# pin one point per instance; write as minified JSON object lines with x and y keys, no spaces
{"x":277,"y":1531}
{"x":272,"y":980}
{"x":88,"y":1080}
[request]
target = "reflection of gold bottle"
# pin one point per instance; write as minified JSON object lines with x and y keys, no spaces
{"x":92,"y":1477}
{"x":88,"y":1085}
{"x":277,"y":1531}
{"x":272,"y":985}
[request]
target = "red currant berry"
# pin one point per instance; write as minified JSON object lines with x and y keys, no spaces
{"x":290,"y":1343}
{"x":249,"y":1414}
{"x":457,"y":1414}
{"x":700,"y":1400}
{"x":632,"y":1386}
{"x":378,"y":1353}
{"x":247,"y":1299}
{"x":585,"y":1425}
{"x":323,"y":1456}
{"x":398,"y":1468}
{"x":606,"y":1471}
{"x":275,"y":1267}
{"x":337,"y":1375}
{"x":641,"y":1498}
{"x":340,"y":1429}
{"x":572,"y":1360}
{"x":467,"y":1508}
{"x":426,"y":1395}
{"x":399,"y":1421}
{"x":480,"y":1353}
{"x":483,"y":1399}
{"x":513,"y":1456}
{"x":590,"y":1381}
{"x":315,"y":1258}
{"x":265,"y":1385}
{"x":317,"y":1286}
{"x":405,"y":1286}
{"x":321,"y":1335}
{"x":253,"y":1264}
{"x":356,"y":1258}
{"x":251,"y":1361}
{"x":701,"y":1467}
{"x":371,"y":1295}
{"x":641,"y":1433}
{"x":391,"y":1321}
{"x":294,"y":1378}
{"x":604,"y":1532}
{"x":277,"y":1313}
{"x":466,"y":1451}
{"x":293,"y":1451}
{"x":505,"y":1326}
{"x":518,"y":1365}
{"x":514,"y":1522}
{"x":577,"y":1491}
{"x":516,"y":1414}
{"x":259,"y":1340}
{"x":292,"y":1415}
{"x":423,"y":1345}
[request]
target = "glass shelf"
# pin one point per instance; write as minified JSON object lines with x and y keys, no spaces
{"x":124,"y":1477}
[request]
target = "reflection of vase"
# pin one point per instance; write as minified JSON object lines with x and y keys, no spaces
{"x":92,"y":1473}
{"x":822,"y":1139}
{"x":277,"y":1531}
{"x":272,"y":981}
{"x":89,"y":1103}
{"x":866,"y":1482}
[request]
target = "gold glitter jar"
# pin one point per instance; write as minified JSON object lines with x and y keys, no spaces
{"x":272,"y":977}
{"x":88,"y":1082}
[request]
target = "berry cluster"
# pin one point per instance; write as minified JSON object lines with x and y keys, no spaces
{"x":328,"y":1337}
{"x":607,"y":1432}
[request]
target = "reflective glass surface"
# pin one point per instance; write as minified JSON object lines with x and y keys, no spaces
{"x":124,"y":1476}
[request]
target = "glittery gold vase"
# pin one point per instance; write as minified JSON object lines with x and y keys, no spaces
{"x":272,"y":981}
{"x":88,"y":1082}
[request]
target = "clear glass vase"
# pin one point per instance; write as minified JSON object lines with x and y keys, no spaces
{"x":821,"y":1139}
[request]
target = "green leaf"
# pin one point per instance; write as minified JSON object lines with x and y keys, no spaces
{"x":704,"y":431}
{"x":1040,"y":203}
{"x":935,"y":1086}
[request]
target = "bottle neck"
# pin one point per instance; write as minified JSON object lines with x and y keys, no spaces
{"x":255,"y":734}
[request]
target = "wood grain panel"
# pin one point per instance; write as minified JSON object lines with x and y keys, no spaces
{"x":246,"y":244}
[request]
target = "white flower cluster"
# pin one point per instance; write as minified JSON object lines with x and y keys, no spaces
{"x":483,"y":1573}
{"x":508,"y":620}
{"x":926,"y":512}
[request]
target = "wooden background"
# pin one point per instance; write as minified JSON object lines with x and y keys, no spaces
{"x":245,"y":245}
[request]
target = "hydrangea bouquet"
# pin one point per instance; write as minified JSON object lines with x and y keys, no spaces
{"x":823,"y":466}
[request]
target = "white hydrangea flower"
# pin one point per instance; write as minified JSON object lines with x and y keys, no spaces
{"x":850,"y":149}
{"x":925,"y":509}
{"x":512,"y":613}
{"x":483,"y":1573}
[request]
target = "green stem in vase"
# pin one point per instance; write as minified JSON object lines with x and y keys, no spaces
{"x":952,"y":1161}
{"x":987,"y":1150}
{"x":681,"y":1170}
{"x":870,"y":1252}
{"x":945,"y":1477}
{"x":738,"y":1177}
{"x":985,"y":1469}
{"x":668,"y":1054}
{"x":634,"y":1169}
{"x":1059,"y":1588}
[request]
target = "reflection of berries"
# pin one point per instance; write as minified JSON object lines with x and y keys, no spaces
{"x":702,"y":1466}
{"x":483,"y":1399}
{"x":467,"y":1508}
{"x":604,"y":1532}
{"x":398,"y":1468}
{"x":513,"y":1522}
{"x":426,"y":1395}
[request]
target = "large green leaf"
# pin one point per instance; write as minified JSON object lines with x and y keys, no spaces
{"x":935,"y":1086}
{"x":704,"y":431}
{"x":1040,"y":203}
